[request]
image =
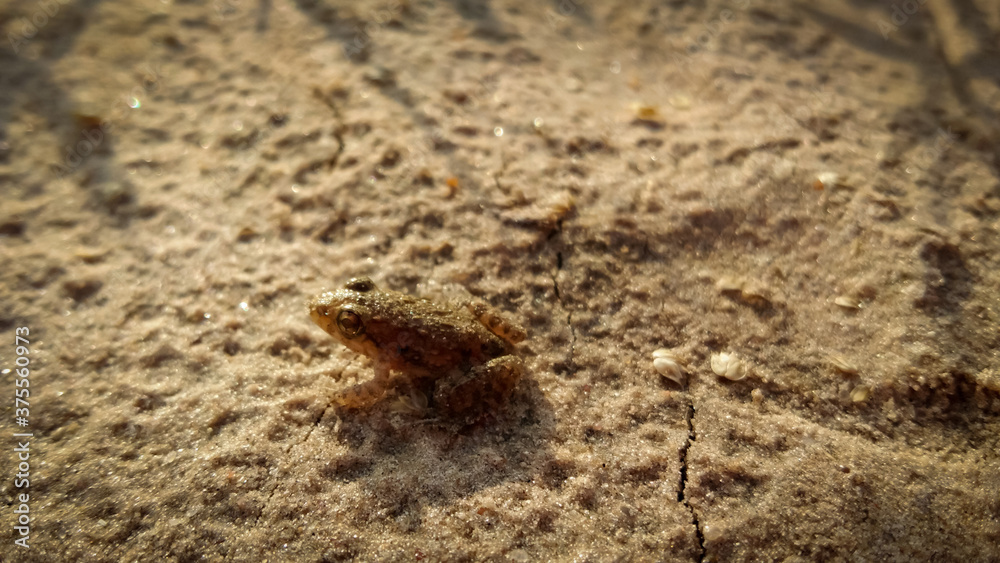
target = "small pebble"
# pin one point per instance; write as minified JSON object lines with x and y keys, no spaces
{"x":519,"y":555}
{"x":712,"y":533}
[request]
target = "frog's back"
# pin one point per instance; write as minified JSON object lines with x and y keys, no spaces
{"x":417,"y":333}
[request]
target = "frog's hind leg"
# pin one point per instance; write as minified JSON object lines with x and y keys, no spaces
{"x":496,"y":323}
{"x":367,"y":393}
{"x":485,"y":386}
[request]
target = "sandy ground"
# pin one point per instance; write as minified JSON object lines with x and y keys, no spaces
{"x":807,"y":194}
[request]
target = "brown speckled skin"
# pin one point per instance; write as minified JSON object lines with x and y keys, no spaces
{"x":471,"y":365}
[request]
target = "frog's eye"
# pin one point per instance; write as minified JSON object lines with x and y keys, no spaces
{"x":361,"y":285}
{"x":350,"y":324}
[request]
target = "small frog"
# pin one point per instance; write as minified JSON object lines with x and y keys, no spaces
{"x":464,"y":353}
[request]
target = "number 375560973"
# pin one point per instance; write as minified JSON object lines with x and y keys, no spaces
{"x":21,"y":382}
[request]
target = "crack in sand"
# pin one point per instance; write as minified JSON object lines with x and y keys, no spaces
{"x":569,"y":313}
{"x":312,"y":425}
{"x":277,"y":481}
{"x":682,"y":488}
{"x":338,"y":131}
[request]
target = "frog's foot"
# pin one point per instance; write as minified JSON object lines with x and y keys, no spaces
{"x":413,"y":402}
{"x":496,"y":323}
{"x":364,"y":394}
{"x":482,"y":387}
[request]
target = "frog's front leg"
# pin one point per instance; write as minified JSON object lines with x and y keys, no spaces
{"x":367,"y":393}
{"x":486,"y":385}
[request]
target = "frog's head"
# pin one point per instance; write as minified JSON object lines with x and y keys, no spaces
{"x":343,"y":314}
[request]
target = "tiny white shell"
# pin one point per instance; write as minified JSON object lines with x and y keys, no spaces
{"x":729,"y":365}
{"x":841,"y":364}
{"x":860,"y":393}
{"x":756,"y":294}
{"x":668,"y":365}
{"x":668,"y":368}
{"x":847,"y":302}
{"x":663,"y":353}
{"x":680,"y":102}
{"x":828,"y":179}
{"x":727,"y":284}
